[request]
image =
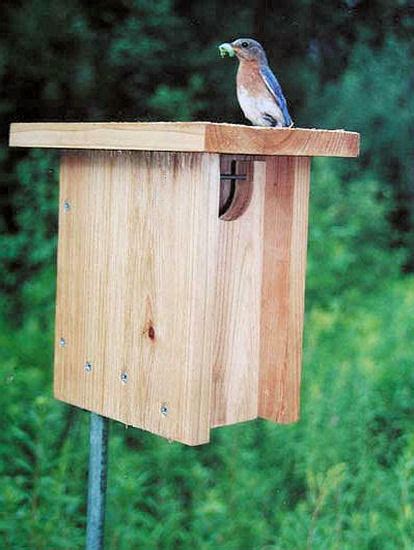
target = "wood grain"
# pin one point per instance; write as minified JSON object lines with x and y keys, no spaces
{"x":284,"y":266}
{"x":136,"y":288}
{"x":186,"y":136}
{"x":238,"y":139}
{"x":236,"y":332}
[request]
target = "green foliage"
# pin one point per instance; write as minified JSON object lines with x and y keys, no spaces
{"x":342,"y":478}
{"x":40,"y":467}
{"x":175,"y":103}
{"x":28,"y":250}
{"x":378,"y":101}
{"x":349,"y":237}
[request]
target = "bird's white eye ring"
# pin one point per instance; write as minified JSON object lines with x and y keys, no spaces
{"x":245,"y":44}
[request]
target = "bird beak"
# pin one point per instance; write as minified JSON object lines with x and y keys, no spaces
{"x":226,"y":49}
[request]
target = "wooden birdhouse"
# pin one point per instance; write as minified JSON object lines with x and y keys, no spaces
{"x":181,"y":269}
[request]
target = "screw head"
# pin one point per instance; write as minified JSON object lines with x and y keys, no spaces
{"x":87,"y":366}
{"x":62,"y":342}
{"x":164,"y":409}
{"x":124,"y":377}
{"x":66,"y":206}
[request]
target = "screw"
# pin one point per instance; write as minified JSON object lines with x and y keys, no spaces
{"x":62,"y":342}
{"x":88,"y":366}
{"x":164,"y":409}
{"x":124,"y":377}
{"x":66,"y":206}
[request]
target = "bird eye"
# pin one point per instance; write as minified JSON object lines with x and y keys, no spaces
{"x":245,"y":44}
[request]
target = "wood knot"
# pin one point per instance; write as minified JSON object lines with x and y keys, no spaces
{"x":149,"y":330}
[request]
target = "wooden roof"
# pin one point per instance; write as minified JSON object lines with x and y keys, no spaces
{"x":205,"y":137}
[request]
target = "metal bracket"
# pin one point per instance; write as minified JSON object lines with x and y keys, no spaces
{"x":236,"y":186}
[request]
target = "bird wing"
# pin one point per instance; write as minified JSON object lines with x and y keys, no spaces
{"x":274,"y":88}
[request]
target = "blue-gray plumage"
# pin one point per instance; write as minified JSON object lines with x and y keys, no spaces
{"x":258,"y":90}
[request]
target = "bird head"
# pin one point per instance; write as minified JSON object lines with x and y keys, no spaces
{"x":246,"y":49}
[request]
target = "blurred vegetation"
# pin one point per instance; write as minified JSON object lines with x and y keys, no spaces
{"x":343,"y":477}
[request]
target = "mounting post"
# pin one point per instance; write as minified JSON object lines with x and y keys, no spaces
{"x":98,"y":466}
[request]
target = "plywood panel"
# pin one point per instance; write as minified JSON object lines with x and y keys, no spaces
{"x":285,"y":243}
{"x":136,"y":288}
{"x":186,"y":136}
{"x":237,"y":311}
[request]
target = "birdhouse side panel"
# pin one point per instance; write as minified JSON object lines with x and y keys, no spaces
{"x":284,"y":270}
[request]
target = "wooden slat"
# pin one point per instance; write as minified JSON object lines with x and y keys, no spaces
{"x":186,"y":136}
{"x":232,"y":138}
{"x":136,"y":288}
{"x":140,"y":136}
{"x":285,"y":243}
{"x":236,"y":333}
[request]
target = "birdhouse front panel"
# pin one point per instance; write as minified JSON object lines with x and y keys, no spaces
{"x":138,"y":239}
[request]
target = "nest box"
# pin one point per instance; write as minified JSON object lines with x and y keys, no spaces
{"x":181,"y":269}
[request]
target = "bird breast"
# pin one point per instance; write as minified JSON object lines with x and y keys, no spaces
{"x":255,"y":107}
{"x":255,"y":99}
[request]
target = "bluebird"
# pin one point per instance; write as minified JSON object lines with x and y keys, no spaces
{"x":259,"y":93}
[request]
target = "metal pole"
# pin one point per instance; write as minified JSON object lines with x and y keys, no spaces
{"x":98,"y":462}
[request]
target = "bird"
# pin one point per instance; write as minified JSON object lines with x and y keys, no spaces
{"x":259,"y":93}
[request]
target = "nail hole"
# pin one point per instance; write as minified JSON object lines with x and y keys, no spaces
{"x":124,"y":377}
{"x":164,"y":409}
